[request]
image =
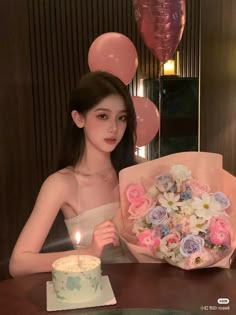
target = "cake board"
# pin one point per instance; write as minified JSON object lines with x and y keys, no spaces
{"x":106,"y":297}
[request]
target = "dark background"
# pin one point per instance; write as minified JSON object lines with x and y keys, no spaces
{"x":44,"y":47}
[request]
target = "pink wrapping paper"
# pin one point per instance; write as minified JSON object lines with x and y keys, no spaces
{"x":207,"y":169}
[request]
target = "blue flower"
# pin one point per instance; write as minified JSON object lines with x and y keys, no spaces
{"x":164,"y":230}
{"x":185,"y":195}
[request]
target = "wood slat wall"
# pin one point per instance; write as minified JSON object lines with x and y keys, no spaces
{"x":218,"y":77}
{"x":18,"y":180}
{"x":189,"y":45}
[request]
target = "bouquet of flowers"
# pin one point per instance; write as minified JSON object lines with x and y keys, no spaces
{"x":179,"y":209}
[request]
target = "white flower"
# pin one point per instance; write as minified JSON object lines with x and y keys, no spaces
{"x":180,"y":173}
{"x":186,"y":208}
{"x":175,"y":218}
{"x":197,"y":224}
{"x":206,"y":207}
{"x":171,"y":252}
{"x":170,"y":201}
{"x":175,"y":257}
{"x":167,"y":249}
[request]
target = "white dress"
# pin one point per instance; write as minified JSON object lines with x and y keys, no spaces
{"x":85,"y":223}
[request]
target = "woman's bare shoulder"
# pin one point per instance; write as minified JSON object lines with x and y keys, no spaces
{"x":61,"y":179}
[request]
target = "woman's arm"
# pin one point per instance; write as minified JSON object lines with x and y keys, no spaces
{"x":26,"y":258}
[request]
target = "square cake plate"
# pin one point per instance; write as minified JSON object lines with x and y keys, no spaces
{"x":105,"y":298}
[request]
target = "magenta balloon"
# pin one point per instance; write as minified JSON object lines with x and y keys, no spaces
{"x":148,"y":120}
{"x":161,"y":24}
{"x":114,"y":53}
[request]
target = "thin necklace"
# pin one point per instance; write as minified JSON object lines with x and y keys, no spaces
{"x":104,"y":176}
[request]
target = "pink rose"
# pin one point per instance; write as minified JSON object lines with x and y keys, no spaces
{"x":219,"y":231}
{"x":148,"y":239}
{"x":219,"y":223}
{"x":197,"y":187}
{"x":170,"y":239}
{"x":136,"y":194}
{"x":138,"y":211}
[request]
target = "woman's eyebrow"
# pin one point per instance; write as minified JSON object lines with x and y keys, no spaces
{"x":108,"y":110}
{"x":100,"y":108}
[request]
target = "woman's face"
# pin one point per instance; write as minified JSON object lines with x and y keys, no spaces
{"x":105,"y":124}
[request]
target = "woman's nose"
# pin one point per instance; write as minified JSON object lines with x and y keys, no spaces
{"x":113,"y":126}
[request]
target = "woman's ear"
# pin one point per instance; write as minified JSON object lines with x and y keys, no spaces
{"x":77,"y":118}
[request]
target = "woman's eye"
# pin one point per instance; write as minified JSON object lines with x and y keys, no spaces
{"x":102,"y":116}
{"x":123,"y":117}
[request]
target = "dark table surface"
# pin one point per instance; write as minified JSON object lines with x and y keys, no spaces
{"x":136,"y":286}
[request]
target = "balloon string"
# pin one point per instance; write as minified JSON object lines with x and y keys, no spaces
{"x":160,"y":100}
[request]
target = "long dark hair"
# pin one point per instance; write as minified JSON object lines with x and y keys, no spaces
{"x":93,"y":87}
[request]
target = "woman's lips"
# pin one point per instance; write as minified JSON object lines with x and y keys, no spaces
{"x":110,"y":140}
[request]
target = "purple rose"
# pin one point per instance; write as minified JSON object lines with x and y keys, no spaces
{"x":191,"y":244}
{"x":165,"y":182}
{"x":222,"y":199}
{"x":164,"y":179}
{"x":156,"y":215}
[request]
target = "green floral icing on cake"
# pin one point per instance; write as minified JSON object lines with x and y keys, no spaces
{"x":73,"y":283}
{"x":95,"y":283}
{"x":59,"y":296}
{"x":54,"y":275}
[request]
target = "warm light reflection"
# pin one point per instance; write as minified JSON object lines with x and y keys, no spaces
{"x":140,"y":88}
{"x":169,"y":67}
{"x":142,"y":151}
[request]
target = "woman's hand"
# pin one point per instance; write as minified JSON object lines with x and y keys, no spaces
{"x":103,"y":234}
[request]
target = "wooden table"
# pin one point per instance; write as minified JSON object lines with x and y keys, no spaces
{"x":135,"y":286}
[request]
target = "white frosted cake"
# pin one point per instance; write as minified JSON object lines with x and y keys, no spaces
{"x":76,"y":281}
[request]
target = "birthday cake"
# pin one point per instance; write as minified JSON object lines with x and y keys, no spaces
{"x":76,"y":280}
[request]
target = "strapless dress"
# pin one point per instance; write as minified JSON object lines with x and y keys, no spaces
{"x":85,"y":223}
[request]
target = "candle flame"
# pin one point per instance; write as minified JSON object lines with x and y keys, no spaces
{"x":77,"y":237}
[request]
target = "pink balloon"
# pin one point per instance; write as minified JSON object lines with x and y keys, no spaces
{"x":114,"y":53}
{"x":161,"y":24}
{"x":148,"y":120}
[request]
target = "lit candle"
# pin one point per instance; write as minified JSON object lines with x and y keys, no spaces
{"x":77,"y":237}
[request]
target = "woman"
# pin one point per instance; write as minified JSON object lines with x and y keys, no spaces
{"x":99,"y":142}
